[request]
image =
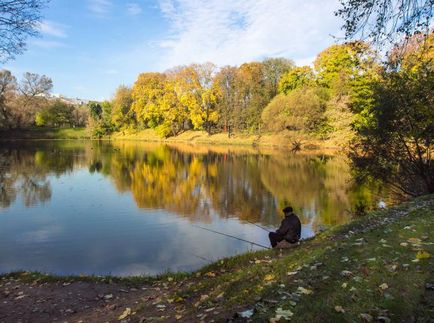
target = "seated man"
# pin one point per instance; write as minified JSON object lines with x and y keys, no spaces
{"x":290,"y":228}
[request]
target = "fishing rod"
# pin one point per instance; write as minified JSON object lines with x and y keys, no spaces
{"x":258,"y":226}
{"x":230,"y":236}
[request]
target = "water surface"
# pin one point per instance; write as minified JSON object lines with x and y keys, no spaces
{"x":128,"y":208}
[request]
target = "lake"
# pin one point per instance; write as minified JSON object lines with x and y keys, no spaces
{"x":130,"y":208}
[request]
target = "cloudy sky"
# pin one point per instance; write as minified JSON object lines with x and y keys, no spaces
{"x":89,"y":47}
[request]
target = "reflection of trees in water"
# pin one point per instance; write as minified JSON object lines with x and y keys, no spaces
{"x":317,"y":185}
{"x":24,"y":167}
{"x":253,"y":187}
{"x":191,"y":181}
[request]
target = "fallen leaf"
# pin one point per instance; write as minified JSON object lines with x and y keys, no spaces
{"x":339,"y":309}
{"x":305,"y":291}
{"x":268,"y":277}
{"x":281,"y":313}
{"x":422,"y":254}
{"x":210,"y":274}
{"x":383,"y":286}
{"x":344,"y":285}
{"x":403,"y":244}
{"x":125,"y":314}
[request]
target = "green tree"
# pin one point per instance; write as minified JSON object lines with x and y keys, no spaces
{"x":396,"y":144}
{"x":57,"y":114}
{"x":302,"y":109}
{"x":296,"y":78}
{"x":122,"y":114}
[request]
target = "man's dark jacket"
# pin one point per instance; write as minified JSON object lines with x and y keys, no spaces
{"x":290,"y":228}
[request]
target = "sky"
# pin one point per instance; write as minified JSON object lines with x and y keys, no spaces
{"x":90,"y":47}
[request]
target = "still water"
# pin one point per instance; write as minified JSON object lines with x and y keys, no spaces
{"x":129,"y":208}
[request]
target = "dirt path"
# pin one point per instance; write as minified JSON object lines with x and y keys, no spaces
{"x":69,"y":302}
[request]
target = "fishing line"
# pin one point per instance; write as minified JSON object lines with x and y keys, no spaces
{"x":230,"y":236}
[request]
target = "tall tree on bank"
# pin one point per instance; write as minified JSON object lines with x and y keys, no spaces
{"x":19,"y":19}
{"x":397,"y":144}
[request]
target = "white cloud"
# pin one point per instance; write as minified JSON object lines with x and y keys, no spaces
{"x":134,"y":9}
{"x":51,"y":28}
{"x":237,"y":31}
{"x":100,"y":7}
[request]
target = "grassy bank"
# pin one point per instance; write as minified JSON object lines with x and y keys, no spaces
{"x":379,"y":267}
{"x":284,"y":139}
{"x":45,"y":133}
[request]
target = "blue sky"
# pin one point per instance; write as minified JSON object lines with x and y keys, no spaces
{"x":90,"y":47}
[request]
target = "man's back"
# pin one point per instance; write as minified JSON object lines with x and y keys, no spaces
{"x":290,"y":228}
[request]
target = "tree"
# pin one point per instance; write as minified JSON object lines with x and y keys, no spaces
{"x":57,"y":114}
{"x":385,"y":20}
{"x":147,"y":93}
{"x":295,"y":78}
{"x":274,"y":68}
{"x":396,"y":144}
{"x":225,"y":82}
{"x":19,"y":19}
{"x":303,"y":109}
{"x":348,"y":71}
{"x":8,"y":85}
{"x":122,"y":114}
{"x":252,"y":96}
{"x":33,"y":85}
{"x":100,"y":118}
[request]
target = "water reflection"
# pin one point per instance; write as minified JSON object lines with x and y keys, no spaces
{"x":127,"y":207}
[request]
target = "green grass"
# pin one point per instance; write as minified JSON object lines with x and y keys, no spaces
{"x":260,"y":280}
{"x":45,"y":133}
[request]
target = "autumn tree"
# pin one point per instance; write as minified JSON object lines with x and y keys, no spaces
{"x":273,"y":69}
{"x":302,"y":109}
{"x":252,"y":96}
{"x":225,"y":83}
{"x":122,"y":114}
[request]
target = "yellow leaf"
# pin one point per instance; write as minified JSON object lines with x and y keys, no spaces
{"x":268,"y":277}
{"x":210,"y":274}
{"x":125,"y":314}
{"x":422,"y":254}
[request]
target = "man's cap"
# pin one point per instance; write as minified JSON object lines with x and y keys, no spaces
{"x":288,"y":209}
